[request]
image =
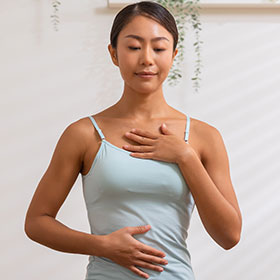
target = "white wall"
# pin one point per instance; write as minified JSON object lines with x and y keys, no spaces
{"x":50,"y":79}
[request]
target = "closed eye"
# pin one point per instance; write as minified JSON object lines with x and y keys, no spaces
{"x":159,"y":50}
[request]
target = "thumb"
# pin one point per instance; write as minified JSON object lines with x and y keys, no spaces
{"x":164,"y":129}
{"x":139,"y":229}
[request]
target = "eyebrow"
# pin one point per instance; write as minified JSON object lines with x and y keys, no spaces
{"x":142,"y":39}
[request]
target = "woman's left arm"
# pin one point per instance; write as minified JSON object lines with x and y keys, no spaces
{"x":211,"y":187}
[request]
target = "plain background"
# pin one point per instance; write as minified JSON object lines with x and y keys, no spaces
{"x":50,"y":79}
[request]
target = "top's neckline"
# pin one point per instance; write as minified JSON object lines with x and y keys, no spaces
{"x":128,"y":152}
{"x":116,"y":147}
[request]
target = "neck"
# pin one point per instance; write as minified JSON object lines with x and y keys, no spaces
{"x":142,"y":105}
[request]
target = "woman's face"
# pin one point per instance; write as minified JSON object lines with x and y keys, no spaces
{"x":138,"y":50}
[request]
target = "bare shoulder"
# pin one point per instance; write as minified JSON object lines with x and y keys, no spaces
{"x":206,"y":137}
{"x":61,"y":174}
{"x":77,"y":132}
{"x":75,"y":140}
{"x":203,"y":128}
{"x":81,"y":126}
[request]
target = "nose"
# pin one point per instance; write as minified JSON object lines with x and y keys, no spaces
{"x":147,"y":56}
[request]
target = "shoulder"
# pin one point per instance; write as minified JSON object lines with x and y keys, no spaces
{"x":206,"y":130}
{"x":78,"y":128}
{"x":77,"y":135}
{"x":198,"y":128}
{"x":207,"y":137}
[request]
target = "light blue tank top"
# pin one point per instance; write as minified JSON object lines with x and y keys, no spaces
{"x":121,"y":190}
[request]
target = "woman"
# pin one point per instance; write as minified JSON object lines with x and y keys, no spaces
{"x":140,"y":186}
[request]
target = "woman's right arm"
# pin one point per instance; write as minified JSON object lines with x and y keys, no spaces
{"x":40,"y":222}
{"x":41,"y":225}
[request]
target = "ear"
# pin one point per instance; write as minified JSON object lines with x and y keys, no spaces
{"x":174,"y":54}
{"x":113,"y":53}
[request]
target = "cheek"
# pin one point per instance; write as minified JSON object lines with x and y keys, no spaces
{"x":127,"y":67}
{"x":164,"y":64}
{"x":127,"y":62}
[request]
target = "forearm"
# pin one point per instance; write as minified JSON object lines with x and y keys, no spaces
{"x":218,"y":216}
{"x":51,"y":233}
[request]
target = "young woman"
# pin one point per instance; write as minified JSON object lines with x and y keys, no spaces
{"x":144,"y":166}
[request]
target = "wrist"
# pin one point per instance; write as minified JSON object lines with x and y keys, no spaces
{"x":98,"y":242}
{"x":186,"y":156}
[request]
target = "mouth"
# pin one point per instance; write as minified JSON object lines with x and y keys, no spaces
{"x":146,"y":75}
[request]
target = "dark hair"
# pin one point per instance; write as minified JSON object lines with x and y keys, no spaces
{"x":148,"y":9}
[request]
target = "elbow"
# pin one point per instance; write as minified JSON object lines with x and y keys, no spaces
{"x":28,"y":229}
{"x":231,"y":241}
{"x":233,"y":237}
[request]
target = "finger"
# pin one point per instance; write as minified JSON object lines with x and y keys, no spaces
{"x":145,"y":133}
{"x":143,"y":155}
{"x":139,"y":149}
{"x":148,"y":265}
{"x":151,"y":251}
{"x":139,"y":272}
{"x":152,"y":259}
{"x":140,"y":139}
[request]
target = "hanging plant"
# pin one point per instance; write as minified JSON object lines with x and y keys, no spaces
{"x":184,"y":11}
{"x":54,"y":16}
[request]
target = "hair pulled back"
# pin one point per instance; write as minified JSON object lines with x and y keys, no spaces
{"x":148,"y":9}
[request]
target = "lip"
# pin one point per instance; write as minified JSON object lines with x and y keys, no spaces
{"x":146,"y":75}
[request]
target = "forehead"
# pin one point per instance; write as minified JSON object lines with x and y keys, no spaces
{"x":143,"y":28}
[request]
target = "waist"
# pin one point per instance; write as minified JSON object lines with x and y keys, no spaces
{"x":100,"y":268}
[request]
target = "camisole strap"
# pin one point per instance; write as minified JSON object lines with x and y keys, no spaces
{"x":97,"y":128}
{"x":187,"y":128}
